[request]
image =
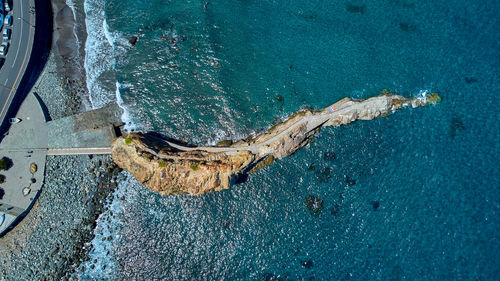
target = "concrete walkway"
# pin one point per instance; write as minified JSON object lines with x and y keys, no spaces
{"x":311,"y":122}
{"x":25,"y":144}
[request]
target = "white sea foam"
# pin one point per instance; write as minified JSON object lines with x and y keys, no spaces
{"x":71,"y":5}
{"x":99,"y":57}
{"x":101,"y":51}
{"x":126,"y":118}
{"x":107,"y":225}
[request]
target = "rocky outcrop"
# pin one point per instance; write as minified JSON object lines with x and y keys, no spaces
{"x":170,"y":168}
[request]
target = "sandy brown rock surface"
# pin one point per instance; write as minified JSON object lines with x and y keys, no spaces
{"x":171,"y":168}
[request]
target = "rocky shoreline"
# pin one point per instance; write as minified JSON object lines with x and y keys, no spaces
{"x":49,"y":243}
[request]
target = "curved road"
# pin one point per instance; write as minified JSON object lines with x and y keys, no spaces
{"x":18,"y":55}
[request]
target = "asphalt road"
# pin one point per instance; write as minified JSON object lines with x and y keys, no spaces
{"x":18,"y":55}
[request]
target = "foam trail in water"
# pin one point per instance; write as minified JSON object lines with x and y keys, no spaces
{"x":103,"y":247}
{"x":126,"y":118}
{"x":99,"y":57}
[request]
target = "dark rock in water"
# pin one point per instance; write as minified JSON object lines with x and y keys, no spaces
{"x":470,"y":80}
{"x":271,"y":277}
{"x":307,"y":264}
{"x":407,"y":27}
{"x":375,"y":205}
{"x":2,"y":193}
{"x":132,"y":40}
{"x":350,"y":181}
{"x":330,"y":156}
{"x":311,"y":167}
{"x":294,"y":189}
{"x":335,"y":210}
{"x":351,"y":8}
{"x":314,"y":205}
{"x":456,"y":126}
{"x":279,"y":98}
{"x":324,"y":174}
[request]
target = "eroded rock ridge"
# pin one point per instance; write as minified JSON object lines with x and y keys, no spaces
{"x":171,"y":168}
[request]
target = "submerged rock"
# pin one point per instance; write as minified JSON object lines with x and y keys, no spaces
{"x":314,"y":205}
{"x":350,"y":181}
{"x":324,"y":174}
{"x":456,"y":126}
{"x":375,"y":205}
{"x":271,"y":277}
{"x":308,"y":264}
{"x":132,"y":40}
{"x":330,"y":156}
{"x":279,"y":98}
{"x":335,"y":209}
{"x":311,"y":167}
{"x":470,"y":80}
{"x":351,"y":8}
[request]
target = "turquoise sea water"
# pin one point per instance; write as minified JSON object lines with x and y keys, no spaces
{"x":413,"y":196}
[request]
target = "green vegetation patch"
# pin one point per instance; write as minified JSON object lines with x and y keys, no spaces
{"x":224,"y":143}
{"x":194,"y":167}
{"x":386,"y":92}
{"x":4,"y":164}
{"x":162,"y":164}
{"x":128,"y":140}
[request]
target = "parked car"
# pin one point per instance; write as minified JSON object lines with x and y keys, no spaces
{"x":7,"y":6}
{"x":6,"y":34}
{"x":7,"y":20}
{"x":3,"y":48}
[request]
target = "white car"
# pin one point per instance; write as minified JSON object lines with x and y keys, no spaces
{"x":3,"y":48}
{"x":6,"y":34}
{"x":7,"y":20}
{"x":7,"y":6}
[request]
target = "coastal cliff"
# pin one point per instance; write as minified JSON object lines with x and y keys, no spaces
{"x":171,"y":168}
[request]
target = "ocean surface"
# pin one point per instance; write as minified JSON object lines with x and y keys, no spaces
{"x":413,"y":196}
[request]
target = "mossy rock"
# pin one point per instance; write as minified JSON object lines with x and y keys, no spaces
{"x":224,"y":143}
{"x":433,"y":98}
{"x":267,"y":161}
{"x":128,"y":140}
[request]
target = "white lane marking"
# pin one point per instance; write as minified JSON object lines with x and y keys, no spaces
{"x":12,"y":91}
{"x":19,"y":46}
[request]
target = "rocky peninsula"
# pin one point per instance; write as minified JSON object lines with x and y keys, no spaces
{"x":172,"y":168}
